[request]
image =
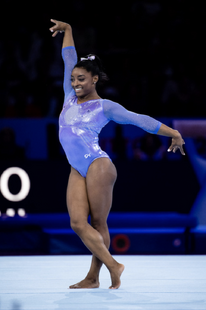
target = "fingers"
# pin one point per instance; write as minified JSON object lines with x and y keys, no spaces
{"x":177,"y":144}
{"x":182,"y":150}
{"x":58,"y":27}
{"x":53,"y":20}
{"x":55,"y":33}
{"x":54,"y":28}
{"x":171,"y":147}
{"x":175,"y":148}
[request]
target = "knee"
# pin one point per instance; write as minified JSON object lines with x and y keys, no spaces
{"x":77,"y":226}
{"x":98,"y":223}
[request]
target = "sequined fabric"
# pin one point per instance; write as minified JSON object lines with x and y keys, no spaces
{"x":79,"y":126}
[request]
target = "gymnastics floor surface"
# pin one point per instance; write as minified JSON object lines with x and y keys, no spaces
{"x":150,"y":282}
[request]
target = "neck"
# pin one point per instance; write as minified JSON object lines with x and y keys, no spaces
{"x":88,"y":97}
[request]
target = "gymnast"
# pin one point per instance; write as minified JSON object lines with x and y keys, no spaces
{"x":92,"y":177}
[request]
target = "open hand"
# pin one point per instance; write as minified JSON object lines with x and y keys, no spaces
{"x":58,"y":27}
{"x":177,"y":143}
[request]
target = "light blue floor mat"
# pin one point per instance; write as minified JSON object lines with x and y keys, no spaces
{"x":148,"y":282}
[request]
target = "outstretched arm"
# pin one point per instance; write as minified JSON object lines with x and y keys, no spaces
{"x":117,"y":113}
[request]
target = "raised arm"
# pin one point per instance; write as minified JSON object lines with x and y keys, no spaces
{"x":117,"y":113}
{"x":68,"y":53}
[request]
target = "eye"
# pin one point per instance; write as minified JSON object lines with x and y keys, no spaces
{"x":72,"y":80}
{"x":81,"y":80}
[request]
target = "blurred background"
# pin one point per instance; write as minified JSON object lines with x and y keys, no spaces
{"x":154,"y":54}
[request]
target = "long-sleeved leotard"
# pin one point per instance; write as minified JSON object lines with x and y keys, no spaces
{"x":80,"y":124}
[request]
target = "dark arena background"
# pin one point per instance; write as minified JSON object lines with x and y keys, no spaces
{"x":154,"y":52}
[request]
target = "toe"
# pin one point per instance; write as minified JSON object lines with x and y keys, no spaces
{"x":114,"y":287}
{"x":73,"y":286}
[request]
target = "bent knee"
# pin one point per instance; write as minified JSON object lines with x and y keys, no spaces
{"x":98,"y":223}
{"x":77,"y":225}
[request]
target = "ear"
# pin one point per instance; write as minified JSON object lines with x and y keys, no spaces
{"x":95,"y":79}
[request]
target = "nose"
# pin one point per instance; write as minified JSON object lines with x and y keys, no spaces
{"x":75,"y":83}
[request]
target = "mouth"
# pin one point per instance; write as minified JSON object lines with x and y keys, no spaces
{"x":78,"y":89}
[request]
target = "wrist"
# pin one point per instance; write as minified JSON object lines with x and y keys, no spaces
{"x":67,"y":28}
{"x":168,"y":132}
{"x":176,"y":134}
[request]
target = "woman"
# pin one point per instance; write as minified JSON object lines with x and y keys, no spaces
{"x":93,"y":175}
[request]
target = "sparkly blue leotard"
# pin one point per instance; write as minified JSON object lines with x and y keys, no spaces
{"x":80,"y":124}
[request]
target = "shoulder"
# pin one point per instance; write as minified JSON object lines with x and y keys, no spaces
{"x":110,"y":105}
{"x":109,"y":108}
{"x":107,"y":104}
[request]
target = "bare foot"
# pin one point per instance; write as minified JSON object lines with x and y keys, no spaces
{"x":86,"y":283}
{"x":115,"y":276}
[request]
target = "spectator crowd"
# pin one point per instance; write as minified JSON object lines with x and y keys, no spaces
{"x":154,"y":52}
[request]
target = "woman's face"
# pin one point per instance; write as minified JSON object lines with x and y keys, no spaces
{"x":83,"y":82}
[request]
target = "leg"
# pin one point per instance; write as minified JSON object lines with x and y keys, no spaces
{"x":92,"y":278}
{"x":100,"y":182}
{"x":79,"y":209}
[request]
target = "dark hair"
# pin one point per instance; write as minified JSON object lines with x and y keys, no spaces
{"x":94,"y":66}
